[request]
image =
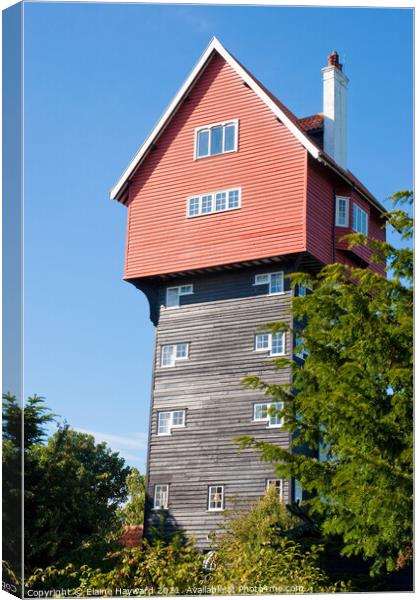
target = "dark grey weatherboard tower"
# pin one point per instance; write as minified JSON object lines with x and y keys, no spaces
{"x":195,"y":469}
{"x":229,"y":194}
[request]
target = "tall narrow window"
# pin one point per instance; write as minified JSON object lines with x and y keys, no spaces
{"x":360,"y":220}
{"x":173,"y":294}
{"x":161,"y":496}
{"x":277,"y":343}
{"x":275,"y":282}
{"x":216,"y":139}
{"x":341,"y":211}
{"x":216,"y":497}
{"x":277,"y":484}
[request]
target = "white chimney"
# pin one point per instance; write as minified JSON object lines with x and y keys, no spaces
{"x":335,"y":110}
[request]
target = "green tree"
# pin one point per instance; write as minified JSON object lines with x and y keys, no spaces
{"x":351,"y":401}
{"x":133,"y":512}
{"x":77,"y":490}
{"x":258,"y":551}
{"x":21,"y":429}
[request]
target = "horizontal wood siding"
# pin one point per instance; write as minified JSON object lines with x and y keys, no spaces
{"x":269,"y":167}
{"x":219,"y":322}
{"x":323,"y":237}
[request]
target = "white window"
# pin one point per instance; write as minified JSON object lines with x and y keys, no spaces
{"x":262,"y":412}
{"x":218,"y":138}
{"x":275,"y":343}
{"x":275,"y":282}
{"x":216,"y":497}
{"x":214,"y":202}
{"x":277,"y":484}
{"x":360,"y":220}
{"x":161,"y":496}
{"x":299,"y":348}
{"x":169,"y":419}
{"x":341,"y":211}
{"x":170,"y":353}
{"x":173,"y":294}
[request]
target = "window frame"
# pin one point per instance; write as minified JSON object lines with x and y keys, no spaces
{"x":269,"y":282}
{"x":270,"y":343}
{"x":180,"y":293}
{"x":175,"y":357}
{"x":338,"y":199}
{"x":269,"y":482}
{"x":303,"y":354}
{"x":209,"y":127}
{"x":267,"y":419}
{"x":356,"y":208}
{"x":209,"y":495}
{"x":171,"y":420}
{"x":214,"y":210}
{"x":156,"y":486}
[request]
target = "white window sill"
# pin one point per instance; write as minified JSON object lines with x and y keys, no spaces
{"x":160,"y":508}
{"x":215,"y":509}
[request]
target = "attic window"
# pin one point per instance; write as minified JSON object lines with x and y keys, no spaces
{"x":217,"y":138}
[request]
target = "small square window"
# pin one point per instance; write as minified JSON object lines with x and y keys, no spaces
{"x":234,"y":199}
{"x":262,"y":341}
{"x":178,"y":418}
{"x":173,"y":294}
{"x":261,"y":411}
{"x":181,"y":351}
{"x":161,"y":496}
{"x":216,"y":497}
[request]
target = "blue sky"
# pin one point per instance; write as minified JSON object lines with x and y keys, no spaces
{"x":97,"y":78}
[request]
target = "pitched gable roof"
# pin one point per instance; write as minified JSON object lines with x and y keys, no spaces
{"x":298,"y":127}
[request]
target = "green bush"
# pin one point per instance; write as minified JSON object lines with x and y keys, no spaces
{"x":256,"y":553}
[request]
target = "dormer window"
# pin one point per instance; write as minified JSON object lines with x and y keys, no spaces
{"x":217,"y":138}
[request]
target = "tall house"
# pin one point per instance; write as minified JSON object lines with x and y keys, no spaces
{"x":230,"y":193}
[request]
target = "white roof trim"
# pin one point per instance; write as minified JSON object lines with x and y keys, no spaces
{"x":214,"y":45}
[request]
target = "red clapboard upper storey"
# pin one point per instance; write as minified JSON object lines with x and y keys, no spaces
{"x":230,"y":175}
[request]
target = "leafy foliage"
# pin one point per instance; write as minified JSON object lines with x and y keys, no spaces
{"x":78,"y":489}
{"x":257,"y":552}
{"x":159,"y":569}
{"x":133,"y":512}
{"x":351,"y":401}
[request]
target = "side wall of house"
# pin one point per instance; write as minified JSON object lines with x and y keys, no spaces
{"x":323,"y":237}
{"x":219,"y":321}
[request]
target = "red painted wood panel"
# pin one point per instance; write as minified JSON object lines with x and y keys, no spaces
{"x":323,"y":237}
{"x":270,"y":167}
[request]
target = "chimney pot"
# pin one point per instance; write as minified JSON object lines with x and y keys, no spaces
{"x":334,"y":60}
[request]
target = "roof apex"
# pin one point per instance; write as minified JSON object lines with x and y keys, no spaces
{"x":117,"y":191}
